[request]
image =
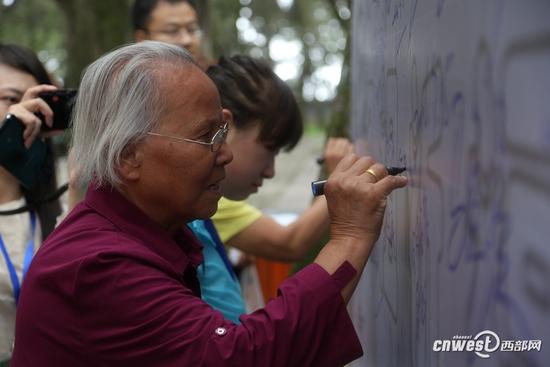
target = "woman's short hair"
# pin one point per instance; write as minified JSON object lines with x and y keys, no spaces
{"x":254,"y":94}
{"x":118,"y":102}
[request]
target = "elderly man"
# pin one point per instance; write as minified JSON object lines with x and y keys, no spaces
{"x":115,"y":284}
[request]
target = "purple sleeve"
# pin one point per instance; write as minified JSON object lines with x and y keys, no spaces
{"x":306,"y":325}
{"x":160,"y":322}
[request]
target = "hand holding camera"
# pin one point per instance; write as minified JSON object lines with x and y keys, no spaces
{"x":27,"y":110}
{"x":43,"y":108}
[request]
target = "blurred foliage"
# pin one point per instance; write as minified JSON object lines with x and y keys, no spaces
{"x":34,"y":24}
{"x":321,"y":26}
{"x":69,"y":34}
{"x":93,"y":27}
{"x":66,"y":34}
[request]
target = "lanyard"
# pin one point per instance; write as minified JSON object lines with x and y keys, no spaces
{"x":219,"y":246}
{"x":29,"y":252}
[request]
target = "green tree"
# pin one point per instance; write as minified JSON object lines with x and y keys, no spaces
{"x":66,"y":34}
{"x":93,"y":28}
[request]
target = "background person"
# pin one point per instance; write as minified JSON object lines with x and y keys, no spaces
{"x":22,"y":78}
{"x":115,"y":283}
{"x":263,"y":118}
{"x":172,"y":21}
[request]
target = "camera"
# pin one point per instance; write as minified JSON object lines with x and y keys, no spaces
{"x":61,"y":102}
{"x":32,"y":166}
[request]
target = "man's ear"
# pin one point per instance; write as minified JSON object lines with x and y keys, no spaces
{"x":131,"y":161}
{"x":228,"y":117}
{"x":140,"y":35}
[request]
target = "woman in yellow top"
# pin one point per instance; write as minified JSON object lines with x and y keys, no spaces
{"x":264,"y":118}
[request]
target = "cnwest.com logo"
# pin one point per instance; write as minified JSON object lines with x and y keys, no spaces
{"x":484,"y":343}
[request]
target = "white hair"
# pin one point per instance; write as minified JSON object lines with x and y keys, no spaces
{"x":118,"y":102}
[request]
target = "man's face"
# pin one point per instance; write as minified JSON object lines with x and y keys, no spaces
{"x":252,"y":163}
{"x":180,"y":179}
{"x":177,"y":24}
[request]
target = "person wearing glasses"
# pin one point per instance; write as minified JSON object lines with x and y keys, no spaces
{"x":264,"y":119}
{"x":171,"y":21}
{"x":240,"y":225}
{"x":115,"y":283}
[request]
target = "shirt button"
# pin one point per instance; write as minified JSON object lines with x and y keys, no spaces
{"x":221,"y":331}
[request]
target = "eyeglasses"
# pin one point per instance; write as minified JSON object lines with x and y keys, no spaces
{"x":215,"y":143}
{"x":191,"y":30}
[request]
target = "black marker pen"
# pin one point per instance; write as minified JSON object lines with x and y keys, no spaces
{"x":318,"y":187}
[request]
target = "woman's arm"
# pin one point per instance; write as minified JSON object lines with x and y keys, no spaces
{"x":267,"y":238}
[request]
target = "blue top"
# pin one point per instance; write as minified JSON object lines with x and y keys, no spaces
{"x":219,"y":285}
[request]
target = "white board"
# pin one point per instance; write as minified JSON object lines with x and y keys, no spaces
{"x":459,"y":92}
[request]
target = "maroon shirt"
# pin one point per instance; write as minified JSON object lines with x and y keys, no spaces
{"x":111,"y":288}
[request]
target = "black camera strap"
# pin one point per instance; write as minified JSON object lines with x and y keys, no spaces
{"x":30,"y":206}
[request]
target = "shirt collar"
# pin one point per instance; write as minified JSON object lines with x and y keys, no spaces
{"x":180,"y":249}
